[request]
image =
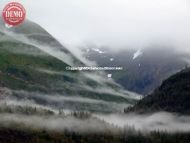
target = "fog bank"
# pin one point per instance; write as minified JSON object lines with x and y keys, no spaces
{"x":162,"y":121}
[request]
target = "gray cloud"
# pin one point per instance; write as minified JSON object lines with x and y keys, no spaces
{"x":121,"y":23}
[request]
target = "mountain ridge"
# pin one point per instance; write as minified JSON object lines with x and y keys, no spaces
{"x":172,"y":96}
{"x":143,"y":69}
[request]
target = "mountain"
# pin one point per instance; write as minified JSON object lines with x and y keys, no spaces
{"x":172,"y":96}
{"x":33,"y":72}
{"x":143,"y":69}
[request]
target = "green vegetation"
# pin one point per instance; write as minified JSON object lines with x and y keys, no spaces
{"x":8,"y":135}
{"x":172,"y":96}
{"x":19,"y":71}
{"x":25,"y":67}
{"x":24,"y":110}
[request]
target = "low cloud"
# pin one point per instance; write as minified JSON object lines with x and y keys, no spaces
{"x":162,"y":121}
{"x":58,"y":123}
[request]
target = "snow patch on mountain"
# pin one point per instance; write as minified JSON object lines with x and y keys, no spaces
{"x":98,"y":50}
{"x":109,"y":75}
{"x":111,"y":59}
{"x":8,"y":26}
{"x":137,"y":54}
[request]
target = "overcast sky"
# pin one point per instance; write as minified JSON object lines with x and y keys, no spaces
{"x":115,"y":23}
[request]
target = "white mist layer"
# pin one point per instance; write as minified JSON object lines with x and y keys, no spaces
{"x":162,"y":121}
{"x":57,"y":123}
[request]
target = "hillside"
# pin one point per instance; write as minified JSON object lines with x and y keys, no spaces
{"x":33,"y":67}
{"x":172,"y":96}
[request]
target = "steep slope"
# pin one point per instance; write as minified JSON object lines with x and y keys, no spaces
{"x":172,"y":96}
{"x":144,"y":69}
{"x":33,"y":67}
